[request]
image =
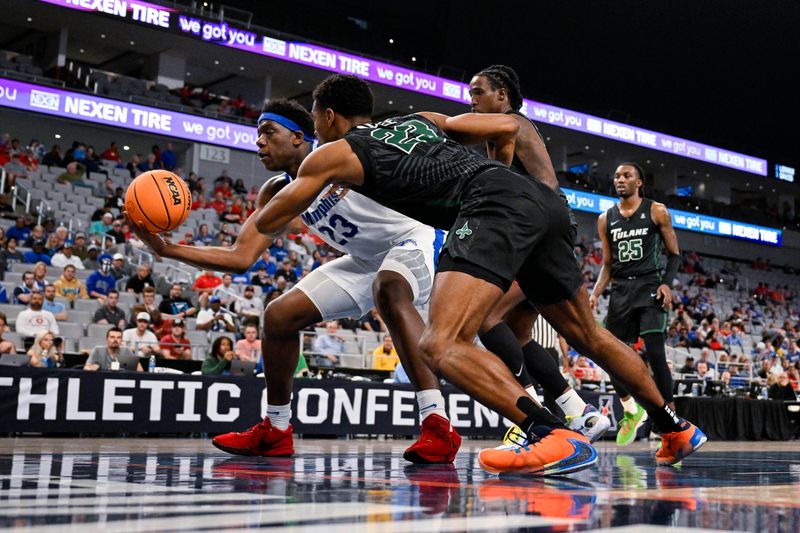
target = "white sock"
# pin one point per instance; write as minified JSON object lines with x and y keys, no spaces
{"x":531,"y":390}
{"x":571,"y":403}
{"x":279,"y":415}
{"x":429,"y":402}
{"x":629,"y":405}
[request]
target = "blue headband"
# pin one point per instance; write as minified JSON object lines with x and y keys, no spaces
{"x":285,"y":122}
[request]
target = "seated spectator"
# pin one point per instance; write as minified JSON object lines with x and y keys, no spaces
{"x":19,"y":230}
{"x":106,"y":190}
{"x":149,"y":300}
{"x":74,"y":174}
{"x":203,"y":235}
{"x":112,"y":153}
{"x":175,"y":345}
{"x":137,"y":283}
{"x":176,"y":305}
{"x":793,"y":353}
{"x":218,"y":204}
{"x":263,"y":280}
{"x":329,"y":345}
{"x":101,"y":282}
{"x":278,"y":250}
{"x":22,"y":294}
{"x":782,"y":390}
{"x":35,"y":319}
{"x":70,"y":287}
{"x":249,"y":306}
{"x":40,"y":275}
{"x":373,"y":322}
{"x":91,"y":262}
{"x":206,"y":282}
{"x":38,"y":254}
{"x":249,"y":348}
{"x":266,"y":262}
{"x":234,"y":213}
{"x":66,"y":257}
{"x":140,"y":339}
{"x":735,"y":337}
{"x":120,"y":268}
{"x":36,"y":234}
{"x":385,"y":357}
{"x":703,"y":372}
{"x":102,"y":226}
{"x":43,"y":352}
{"x":215,"y":318}
{"x":287,"y":272}
{"x":109,"y":313}
{"x":108,"y":357}
{"x":705,"y":356}
{"x":9,"y":255}
{"x":50,"y":304}
{"x":116,"y":233}
{"x":53,"y":158}
{"x":220,"y":357}
{"x":6,"y":346}
{"x":188,"y":239}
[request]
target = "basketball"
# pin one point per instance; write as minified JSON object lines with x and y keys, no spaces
{"x":158,"y":200}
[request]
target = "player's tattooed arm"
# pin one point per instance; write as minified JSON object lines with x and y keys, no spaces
{"x":496,"y":129}
{"x":604,"y":278}
{"x":530,"y":149}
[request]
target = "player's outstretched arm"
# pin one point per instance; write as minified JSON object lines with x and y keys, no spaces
{"x":498,"y":129}
{"x":605,"y":271}
{"x":237,"y":257}
{"x":330,"y":163}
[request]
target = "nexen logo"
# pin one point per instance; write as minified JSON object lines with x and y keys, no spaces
{"x":174,"y":191}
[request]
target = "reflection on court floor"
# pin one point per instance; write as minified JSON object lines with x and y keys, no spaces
{"x":351,"y":485}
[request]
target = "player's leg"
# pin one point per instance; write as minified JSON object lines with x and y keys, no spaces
{"x":314,"y":298}
{"x":576,"y":324}
{"x":458,"y":306}
{"x":404,"y":278}
{"x":283,"y":320}
{"x":515,"y":317}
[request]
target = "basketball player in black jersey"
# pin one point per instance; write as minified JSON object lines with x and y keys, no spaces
{"x":496,"y":89}
{"x":503,"y":226}
{"x":632,"y":232}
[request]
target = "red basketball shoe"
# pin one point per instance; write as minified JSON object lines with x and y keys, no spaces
{"x":438,"y":442}
{"x":261,"y":439}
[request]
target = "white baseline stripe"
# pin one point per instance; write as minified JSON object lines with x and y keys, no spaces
{"x":295,"y":513}
{"x":171,"y":499}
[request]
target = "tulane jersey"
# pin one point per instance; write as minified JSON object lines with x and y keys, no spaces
{"x":357,"y":225}
{"x":410,"y":165}
{"x":635,"y":242}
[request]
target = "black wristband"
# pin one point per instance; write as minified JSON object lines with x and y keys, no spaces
{"x":673,"y":262}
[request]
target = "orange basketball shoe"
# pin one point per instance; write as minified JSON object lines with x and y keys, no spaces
{"x":438,"y":442}
{"x":678,"y":445}
{"x":559,"y":452}
{"x":261,"y":439}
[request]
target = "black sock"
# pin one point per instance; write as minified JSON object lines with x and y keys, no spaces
{"x":500,"y":340}
{"x":657,"y":358}
{"x":543,"y":368}
{"x":665,"y":419}
{"x":539,"y":420}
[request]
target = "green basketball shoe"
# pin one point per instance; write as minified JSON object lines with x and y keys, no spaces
{"x":629,"y":425}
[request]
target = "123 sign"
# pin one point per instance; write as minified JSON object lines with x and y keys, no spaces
{"x":216,"y":154}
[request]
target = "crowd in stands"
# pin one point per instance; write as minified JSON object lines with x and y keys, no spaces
{"x":752,"y":335}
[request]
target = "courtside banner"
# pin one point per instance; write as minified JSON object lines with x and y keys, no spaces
{"x":76,"y":401}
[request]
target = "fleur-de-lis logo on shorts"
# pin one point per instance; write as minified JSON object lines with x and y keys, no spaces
{"x":464,"y":231}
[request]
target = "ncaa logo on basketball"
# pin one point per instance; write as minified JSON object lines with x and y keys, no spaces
{"x":44,"y":100}
{"x":173,"y":190}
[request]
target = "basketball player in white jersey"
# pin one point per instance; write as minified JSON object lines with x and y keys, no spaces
{"x":390,"y":266}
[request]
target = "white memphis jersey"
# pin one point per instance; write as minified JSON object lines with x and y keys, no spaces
{"x":360,"y":226}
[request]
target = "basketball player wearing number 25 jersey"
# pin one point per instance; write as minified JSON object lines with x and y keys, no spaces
{"x":632,"y":233}
{"x":503,"y":227}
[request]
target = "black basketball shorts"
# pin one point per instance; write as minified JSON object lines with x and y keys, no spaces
{"x":634,"y":310}
{"x":514,"y":227}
